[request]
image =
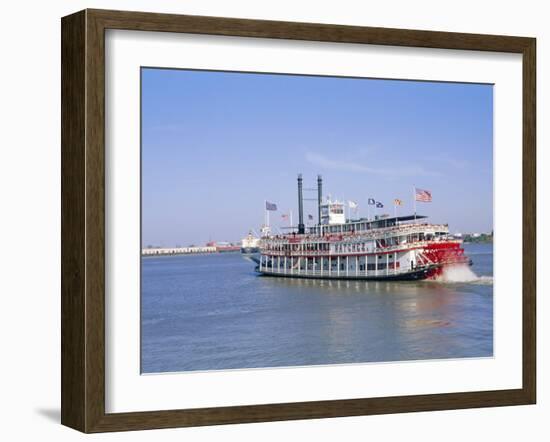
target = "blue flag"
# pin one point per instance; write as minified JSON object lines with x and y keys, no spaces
{"x":270,"y":206}
{"x":379,"y":205}
{"x":372,"y":202}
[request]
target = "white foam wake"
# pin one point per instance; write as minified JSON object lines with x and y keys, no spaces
{"x":462,"y":274}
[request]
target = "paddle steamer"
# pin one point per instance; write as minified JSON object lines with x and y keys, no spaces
{"x":381,"y":248}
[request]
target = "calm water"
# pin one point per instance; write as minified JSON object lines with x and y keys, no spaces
{"x":212,"y":312}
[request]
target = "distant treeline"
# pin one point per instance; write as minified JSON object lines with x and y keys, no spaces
{"x":482,"y":238}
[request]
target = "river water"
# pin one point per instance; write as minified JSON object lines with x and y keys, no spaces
{"x":213,"y":312}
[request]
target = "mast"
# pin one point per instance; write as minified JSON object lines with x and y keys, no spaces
{"x":301,"y":227}
{"x":319,"y":196}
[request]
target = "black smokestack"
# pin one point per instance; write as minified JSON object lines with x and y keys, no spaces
{"x":301,"y":227}
{"x":319,"y":195}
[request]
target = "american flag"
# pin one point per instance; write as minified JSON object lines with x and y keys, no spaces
{"x":284,"y":216}
{"x":310,"y":217}
{"x":270,"y":206}
{"x":422,"y":195}
{"x":397,"y":202}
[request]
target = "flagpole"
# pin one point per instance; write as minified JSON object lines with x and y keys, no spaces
{"x":290,"y":218}
{"x":346,"y":210}
{"x":368,"y":210}
{"x":414,"y":201}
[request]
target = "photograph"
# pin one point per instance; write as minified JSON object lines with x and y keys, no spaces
{"x":301,"y":220}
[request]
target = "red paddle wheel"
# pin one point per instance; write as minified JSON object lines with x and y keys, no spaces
{"x":442,"y":254}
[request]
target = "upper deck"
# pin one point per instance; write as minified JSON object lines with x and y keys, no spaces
{"x":358,"y":237}
{"x":363,"y":229}
{"x":364,"y":224}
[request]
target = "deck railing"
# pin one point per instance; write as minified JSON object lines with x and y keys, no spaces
{"x":364,"y":234}
{"x":378,"y":250}
{"x":334,"y":273}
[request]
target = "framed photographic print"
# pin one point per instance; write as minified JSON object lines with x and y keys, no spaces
{"x":270,"y":220}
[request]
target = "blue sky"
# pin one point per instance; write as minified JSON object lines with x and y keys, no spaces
{"x":215,"y":145}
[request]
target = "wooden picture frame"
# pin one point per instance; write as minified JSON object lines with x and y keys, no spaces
{"x":83,"y":220}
